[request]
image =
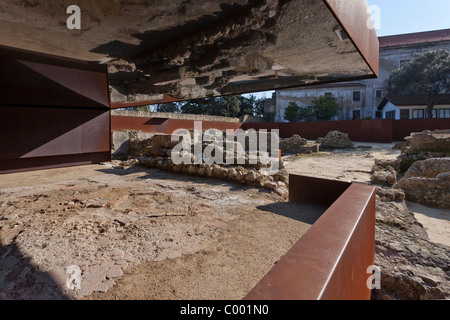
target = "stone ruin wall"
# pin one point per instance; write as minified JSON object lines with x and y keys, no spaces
{"x":156,"y":152}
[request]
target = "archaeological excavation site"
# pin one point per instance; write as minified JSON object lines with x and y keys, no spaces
{"x":103,"y":200}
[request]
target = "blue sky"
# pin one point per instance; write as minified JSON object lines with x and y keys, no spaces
{"x":409,"y":16}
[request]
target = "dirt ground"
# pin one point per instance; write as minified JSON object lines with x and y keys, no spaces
{"x":138,"y":233}
{"x":344,"y":165}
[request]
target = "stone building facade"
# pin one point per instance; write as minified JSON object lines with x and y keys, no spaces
{"x":362,"y":99}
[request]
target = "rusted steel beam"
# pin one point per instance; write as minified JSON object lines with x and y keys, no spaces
{"x":331,"y":259}
{"x":356,"y":20}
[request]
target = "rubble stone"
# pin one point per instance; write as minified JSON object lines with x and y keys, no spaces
{"x":383,"y":174}
{"x":412,"y":267}
{"x":428,"y":183}
{"x":336,"y":140}
{"x":429,"y":141}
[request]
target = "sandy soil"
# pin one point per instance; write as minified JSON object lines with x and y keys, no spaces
{"x":139,"y":233}
{"x":136,"y":233}
{"x":435,"y":221}
{"x":344,"y":165}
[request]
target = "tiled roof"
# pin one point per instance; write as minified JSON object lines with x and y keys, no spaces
{"x":415,"y":100}
{"x":414,"y":38}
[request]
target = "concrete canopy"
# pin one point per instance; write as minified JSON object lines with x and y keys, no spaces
{"x":158,"y":51}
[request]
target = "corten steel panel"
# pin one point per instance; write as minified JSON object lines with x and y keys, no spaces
{"x":331,"y":259}
{"x":376,"y":131}
{"x":29,"y":132}
{"x":55,"y":111}
{"x":315,"y":130}
{"x":356,"y":20}
{"x":310,"y":130}
{"x":167,"y":126}
{"x":259,"y":126}
{"x":29,"y":164}
{"x":305,"y":189}
{"x":35,"y":80}
{"x":119,"y":123}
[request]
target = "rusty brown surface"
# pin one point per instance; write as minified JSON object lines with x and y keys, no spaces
{"x":34,"y":79}
{"x":305,"y":189}
{"x":41,"y":163}
{"x":331,"y":259}
{"x":51,"y":107}
{"x":357,"y":22}
{"x":164,"y":125}
{"x":379,"y":131}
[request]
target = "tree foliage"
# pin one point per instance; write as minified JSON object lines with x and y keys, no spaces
{"x":325,"y":107}
{"x":428,"y":75}
{"x":227,"y":106}
{"x":171,"y":107}
{"x":292,"y":112}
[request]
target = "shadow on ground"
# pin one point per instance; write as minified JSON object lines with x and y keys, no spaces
{"x":21,"y":280}
{"x":157,"y":174}
{"x":300,"y":211}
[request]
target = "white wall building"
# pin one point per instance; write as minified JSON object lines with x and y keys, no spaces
{"x":412,"y":107}
{"x":361,"y":99}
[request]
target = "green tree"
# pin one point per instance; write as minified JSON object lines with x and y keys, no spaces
{"x":428,"y":75}
{"x":199,"y":106}
{"x":141,"y":108}
{"x":306,"y":113}
{"x":231,"y":105}
{"x":227,"y":106}
{"x":292,"y":112}
{"x":325,"y":107}
{"x":247,"y":105}
{"x":171,"y":107}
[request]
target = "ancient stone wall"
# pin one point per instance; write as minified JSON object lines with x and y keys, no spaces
{"x":161,"y":151}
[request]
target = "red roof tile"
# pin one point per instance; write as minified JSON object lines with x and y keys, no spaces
{"x":414,"y":38}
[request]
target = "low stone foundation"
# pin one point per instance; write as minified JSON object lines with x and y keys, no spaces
{"x":249,"y":176}
{"x":157,"y":151}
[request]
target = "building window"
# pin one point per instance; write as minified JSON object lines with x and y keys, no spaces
{"x":356,"y":114}
{"x":404,"y":62}
{"x":356,"y":96}
{"x":444,"y":113}
{"x":418,"y":114}
{"x":379,"y":93}
{"x":328,"y":94}
{"x":378,"y":114}
{"x":390,"y":115}
{"x":404,"y":114}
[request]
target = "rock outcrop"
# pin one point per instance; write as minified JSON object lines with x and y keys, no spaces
{"x":336,"y":140}
{"x":428,"y":183}
{"x":297,"y":144}
{"x":412,"y":267}
{"x":383,"y":173}
{"x":429,"y":141}
{"x":424,"y":145}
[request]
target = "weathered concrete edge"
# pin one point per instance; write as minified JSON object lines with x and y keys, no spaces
{"x":176,"y":116}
